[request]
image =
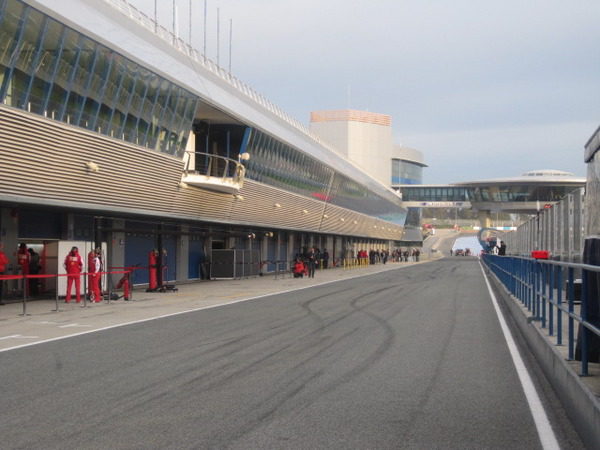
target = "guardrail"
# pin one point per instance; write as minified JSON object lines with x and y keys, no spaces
{"x":548,"y":290}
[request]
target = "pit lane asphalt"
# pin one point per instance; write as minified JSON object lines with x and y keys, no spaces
{"x":43,"y":323}
{"x":408,"y":357}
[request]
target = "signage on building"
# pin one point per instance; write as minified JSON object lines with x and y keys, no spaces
{"x":442,"y":204}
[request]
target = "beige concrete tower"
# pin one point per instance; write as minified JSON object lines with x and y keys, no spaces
{"x":363,"y":137}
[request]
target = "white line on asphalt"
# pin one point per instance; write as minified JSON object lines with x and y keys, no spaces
{"x":197,"y":309}
{"x":18,"y":336}
{"x":542,"y":424}
{"x":73,"y":325}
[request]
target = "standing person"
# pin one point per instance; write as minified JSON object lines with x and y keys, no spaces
{"x":311,"y":262}
{"x":502,"y":249}
{"x":90,"y":270}
{"x":74,"y":265}
{"x":23,"y":259}
{"x":34,"y":269}
{"x":325,"y":256}
{"x":3,"y":264}
{"x":94,"y":271}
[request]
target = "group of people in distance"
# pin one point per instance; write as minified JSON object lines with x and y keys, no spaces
{"x":306,"y":262}
{"x":73,"y":264}
{"x":28,"y":261}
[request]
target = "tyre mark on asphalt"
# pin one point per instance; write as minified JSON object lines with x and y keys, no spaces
{"x":432,"y":382}
{"x":299,"y":385}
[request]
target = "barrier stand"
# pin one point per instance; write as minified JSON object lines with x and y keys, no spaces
{"x":56,"y":296}
{"x":85,"y":291}
{"x":24,"y":296}
{"x":108,"y":286}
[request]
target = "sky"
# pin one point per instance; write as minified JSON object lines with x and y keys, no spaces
{"x":485,"y":89}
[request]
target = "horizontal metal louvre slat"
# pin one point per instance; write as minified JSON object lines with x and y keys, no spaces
{"x":43,"y":159}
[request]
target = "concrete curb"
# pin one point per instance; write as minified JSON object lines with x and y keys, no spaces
{"x":581,"y":405}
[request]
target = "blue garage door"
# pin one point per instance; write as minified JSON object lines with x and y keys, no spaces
{"x":283,"y":252}
{"x":271,"y":254}
{"x":196,"y":257}
{"x":137,"y":248}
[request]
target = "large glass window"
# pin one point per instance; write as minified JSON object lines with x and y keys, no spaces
{"x":406,"y":172}
{"x":52,"y":70}
{"x":281,"y":165}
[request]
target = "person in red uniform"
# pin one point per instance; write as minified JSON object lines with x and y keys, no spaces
{"x":153,"y":269}
{"x":3,"y":264}
{"x":23,"y":259}
{"x":94,"y":269}
{"x":73,"y":264}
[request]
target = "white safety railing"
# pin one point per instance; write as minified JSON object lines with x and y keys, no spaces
{"x":559,"y":230}
{"x":213,"y":172}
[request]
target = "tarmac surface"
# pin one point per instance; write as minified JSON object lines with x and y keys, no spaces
{"x":402,"y":355}
{"x":43,"y":322}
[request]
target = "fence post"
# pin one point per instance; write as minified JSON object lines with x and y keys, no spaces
{"x":571,"y":299}
{"x":584,"y":317}
{"x":544,"y":295}
{"x":551,"y":301}
{"x":56,"y":296}
{"x":24,"y":296}
{"x":559,"y":294}
{"x":108,"y":285}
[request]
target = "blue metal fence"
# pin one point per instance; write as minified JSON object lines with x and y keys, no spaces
{"x":548,"y":290}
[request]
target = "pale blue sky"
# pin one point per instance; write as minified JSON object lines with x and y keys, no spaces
{"x":484,"y":89}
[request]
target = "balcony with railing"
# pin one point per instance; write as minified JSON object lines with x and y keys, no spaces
{"x":213,"y":172}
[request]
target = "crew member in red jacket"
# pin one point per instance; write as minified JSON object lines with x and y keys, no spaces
{"x":3,"y":264}
{"x":94,"y":269}
{"x":73,"y":264}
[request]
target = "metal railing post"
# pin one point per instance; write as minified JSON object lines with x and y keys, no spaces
{"x":24,"y":296}
{"x":544,"y":295}
{"x":584,"y":317}
{"x":551,"y":301}
{"x":559,"y":294}
{"x":108,"y":286}
{"x":571,"y":300}
{"x":536,"y":296}
{"x":56,"y":294}
{"x":84,"y":289}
